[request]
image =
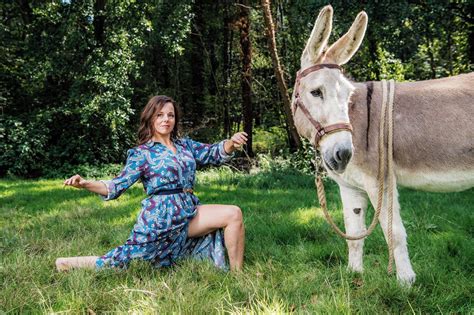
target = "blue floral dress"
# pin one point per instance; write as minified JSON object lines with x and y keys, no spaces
{"x":160,"y":234}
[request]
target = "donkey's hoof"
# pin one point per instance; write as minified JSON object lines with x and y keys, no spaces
{"x":358,"y":268}
{"x":406,"y":278}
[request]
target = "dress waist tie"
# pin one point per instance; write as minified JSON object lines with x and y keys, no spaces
{"x":173,"y":191}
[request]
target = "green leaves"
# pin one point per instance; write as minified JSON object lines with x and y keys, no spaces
{"x":75,"y":74}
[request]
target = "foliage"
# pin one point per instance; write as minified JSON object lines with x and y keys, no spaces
{"x":303,"y":161}
{"x":75,"y":74}
{"x":86,"y":170}
{"x":294,"y":262}
{"x":269,"y":141}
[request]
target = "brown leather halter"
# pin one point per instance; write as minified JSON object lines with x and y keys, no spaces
{"x":320,"y":130}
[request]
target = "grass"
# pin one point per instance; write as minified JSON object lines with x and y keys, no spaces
{"x":294,"y":262}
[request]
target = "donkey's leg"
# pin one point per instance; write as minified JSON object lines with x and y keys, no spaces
{"x":355,"y":204}
{"x":405,"y":273}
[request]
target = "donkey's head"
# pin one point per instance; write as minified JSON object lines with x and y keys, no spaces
{"x":321,"y":94}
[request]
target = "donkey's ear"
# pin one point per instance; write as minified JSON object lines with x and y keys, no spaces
{"x":342,"y":51}
{"x":319,"y":36}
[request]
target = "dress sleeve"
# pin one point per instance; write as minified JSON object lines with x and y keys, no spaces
{"x":130,"y":174}
{"x":208,"y":153}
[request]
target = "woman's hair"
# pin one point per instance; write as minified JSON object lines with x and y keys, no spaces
{"x":149,"y":113}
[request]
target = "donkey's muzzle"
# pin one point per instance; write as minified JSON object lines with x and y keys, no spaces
{"x":339,"y":159}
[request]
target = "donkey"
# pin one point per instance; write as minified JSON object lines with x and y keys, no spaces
{"x":433,"y":133}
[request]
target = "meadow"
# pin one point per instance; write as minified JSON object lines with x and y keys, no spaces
{"x":294,"y":262}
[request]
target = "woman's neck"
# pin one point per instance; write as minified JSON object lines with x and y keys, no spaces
{"x":166,"y":140}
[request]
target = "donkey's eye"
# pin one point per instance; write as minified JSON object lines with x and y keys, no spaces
{"x":317,"y":93}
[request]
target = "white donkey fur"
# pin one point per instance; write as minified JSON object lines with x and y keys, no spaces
{"x":424,"y":164}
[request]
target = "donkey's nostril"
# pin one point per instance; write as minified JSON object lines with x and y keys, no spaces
{"x":343,"y":155}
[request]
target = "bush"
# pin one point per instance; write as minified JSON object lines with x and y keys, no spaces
{"x":103,"y":171}
{"x":302,"y":161}
{"x":22,"y":145}
{"x":270,"y":141}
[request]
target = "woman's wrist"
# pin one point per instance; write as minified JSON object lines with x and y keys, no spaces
{"x":85,"y":184}
{"x":228,"y":146}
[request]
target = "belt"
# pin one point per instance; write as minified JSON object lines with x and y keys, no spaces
{"x":173,"y":191}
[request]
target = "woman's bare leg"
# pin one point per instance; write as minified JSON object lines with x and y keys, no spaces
{"x":66,"y":263}
{"x":212,"y":217}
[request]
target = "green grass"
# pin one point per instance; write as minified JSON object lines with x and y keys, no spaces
{"x":294,"y":261}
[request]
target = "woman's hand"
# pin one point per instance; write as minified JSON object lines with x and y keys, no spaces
{"x":239,"y":139}
{"x":235,"y":142}
{"x":75,"y":181}
{"x":91,"y":185}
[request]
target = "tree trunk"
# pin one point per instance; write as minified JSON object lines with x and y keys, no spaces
{"x":226,"y":57}
{"x":431,"y":56}
{"x":99,"y":21}
{"x":450,"y":50}
{"x":246,"y":75}
{"x":25,"y":11}
{"x":196,"y":101}
{"x":293,"y":137}
{"x":373,"y":53}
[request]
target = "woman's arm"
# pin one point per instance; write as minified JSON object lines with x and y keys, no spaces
{"x":216,"y":153}
{"x":91,"y":185}
{"x":113,"y":188}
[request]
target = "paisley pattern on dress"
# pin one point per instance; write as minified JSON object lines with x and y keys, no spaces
{"x":160,"y":234}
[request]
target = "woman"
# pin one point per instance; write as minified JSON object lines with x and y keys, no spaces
{"x":172,"y":224}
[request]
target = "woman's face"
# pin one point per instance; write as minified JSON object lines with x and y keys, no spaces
{"x":165,"y":120}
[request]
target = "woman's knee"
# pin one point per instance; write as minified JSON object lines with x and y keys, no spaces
{"x":235,"y":214}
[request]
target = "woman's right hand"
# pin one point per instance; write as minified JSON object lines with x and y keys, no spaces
{"x":75,"y":181}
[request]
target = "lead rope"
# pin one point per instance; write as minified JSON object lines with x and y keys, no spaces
{"x":251,"y":163}
{"x":380,"y":176}
{"x":390,"y":176}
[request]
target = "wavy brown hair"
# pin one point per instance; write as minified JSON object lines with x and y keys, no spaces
{"x":148,"y":115}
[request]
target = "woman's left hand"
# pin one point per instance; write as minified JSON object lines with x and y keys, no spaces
{"x":239,"y":139}
{"x":235,"y":142}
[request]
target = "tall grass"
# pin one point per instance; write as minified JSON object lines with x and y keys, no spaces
{"x":294,"y":262}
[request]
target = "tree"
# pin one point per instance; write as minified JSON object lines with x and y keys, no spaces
{"x":243,"y":23}
{"x":293,"y":136}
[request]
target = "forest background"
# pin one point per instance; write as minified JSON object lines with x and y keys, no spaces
{"x":75,"y":74}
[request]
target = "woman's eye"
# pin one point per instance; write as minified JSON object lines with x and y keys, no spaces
{"x":317,"y":93}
